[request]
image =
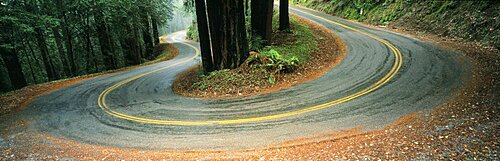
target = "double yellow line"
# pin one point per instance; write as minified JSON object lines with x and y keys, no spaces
{"x":395,"y":68}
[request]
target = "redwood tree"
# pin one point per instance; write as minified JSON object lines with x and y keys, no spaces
{"x":12,"y":63}
{"x":228,"y":33}
{"x":261,"y":19}
{"x":201,"y":18}
{"x":284,"y":18}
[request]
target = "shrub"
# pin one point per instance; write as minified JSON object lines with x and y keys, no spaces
{"x":192,"y":32}
{"x":278,"y":63}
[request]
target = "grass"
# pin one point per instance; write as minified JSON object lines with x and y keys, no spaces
{"x":299,"y":42}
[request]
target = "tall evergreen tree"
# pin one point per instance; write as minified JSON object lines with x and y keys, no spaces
{"x":261,"y":19}
{"x":206,"y":53}
{"x":12,"y":63}
{"x":284,"y":17}
{"x":227,"y":32}
{"x":53,"y":39}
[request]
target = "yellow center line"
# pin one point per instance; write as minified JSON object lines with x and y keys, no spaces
{"x":395,"y":68}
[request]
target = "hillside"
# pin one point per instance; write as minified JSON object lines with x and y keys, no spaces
{"x":468,"y":20}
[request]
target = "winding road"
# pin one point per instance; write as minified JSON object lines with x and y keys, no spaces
{"x":384,"y":76}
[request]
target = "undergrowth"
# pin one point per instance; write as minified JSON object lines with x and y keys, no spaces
{"x":192,"y":32}
{"x":470,"y":20}
{"x":287,"y":51}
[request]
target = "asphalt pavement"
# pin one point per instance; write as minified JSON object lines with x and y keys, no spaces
{"x":428,"y":76}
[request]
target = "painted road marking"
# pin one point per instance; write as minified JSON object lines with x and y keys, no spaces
{"x":395,"y":68}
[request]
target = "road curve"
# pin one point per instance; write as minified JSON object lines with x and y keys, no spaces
{"x":427,"y":77}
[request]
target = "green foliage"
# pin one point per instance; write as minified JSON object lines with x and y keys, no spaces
{"x":266,"y":66}
{"x":192,"y":32}
{"x":301,"y":43}
{"x":471,"y":20}
{"x":189,"y":6}
{"x":255,"y":43}
{"x":63,"y":32}
{"x":286,"y":55}
{"x":278,"y":63}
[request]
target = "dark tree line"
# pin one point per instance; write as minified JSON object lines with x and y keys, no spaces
{"x":45,"y":40}
{"x":222,"y":30}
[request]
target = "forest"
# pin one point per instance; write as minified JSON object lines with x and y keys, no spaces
{"x":47,"y":40}
{"x":44,"y":41}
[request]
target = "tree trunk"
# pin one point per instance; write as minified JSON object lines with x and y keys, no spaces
{"x":215,"y":19}
{"x":228,"y":33}
{"x":137,"y":46}
{"x":60,"y":49}
{"x":261,"y":19}
{"x":204,"y":36}
{"x":132,"y":47}
{"x":156,"y":34}
{"x":32,"y":53}
{"x":147,"y":37}
{"x":246,"y":7}
{"x":13,"y":65}
{"x":284,"y":18}
{"x":30,"y":64}
{"x":42,"y":45}
{"x":91,"y":58}
{"x":68,"y":35}
{"x":5,"y":84}
{"x":105,"y":41}
{"x":69,"y":49}
{"x":240,"y":33}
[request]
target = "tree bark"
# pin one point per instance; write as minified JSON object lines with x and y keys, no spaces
{"x":42,"y":45}
{"x":68,"y":35}
{"x":13,"y":65}
{"x":227,"y":27}
{"x":132,"y":47}
{"x":241,"y":34}
{"x":215,"y":26}
{"x":5,"y":84}
{"x":261,"y":19}
{"x":246,"y":7}
{"x":284,"y":17}
{"x":147,"y":36}
{"x":105,"y":40}
{"x":30,"y":64}
{"x":204,"y":36}
{"x":60,"y":49}
{"x":91,"y":57}
{"x":156,"y":33}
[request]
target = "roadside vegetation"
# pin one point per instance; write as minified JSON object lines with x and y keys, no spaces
{"x":469,"y":20}
{"x":44,"y":41}
{"x":282,"y":63}
{"x":192,"y":32}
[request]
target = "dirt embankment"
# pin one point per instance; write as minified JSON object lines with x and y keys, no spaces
{"x":330,"y":52}
{"x":16,"y":100}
